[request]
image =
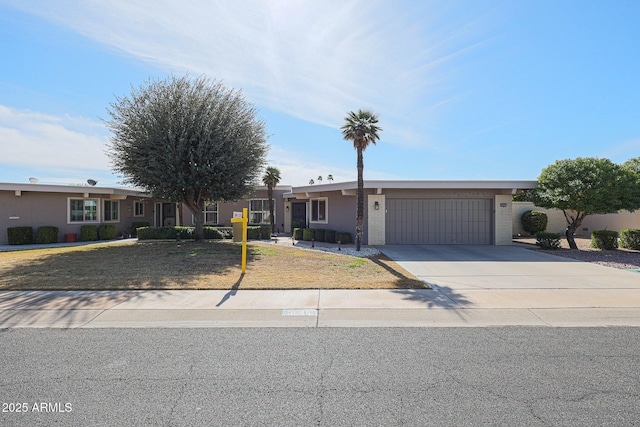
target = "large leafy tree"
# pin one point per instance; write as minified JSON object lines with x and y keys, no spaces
{"x":361,"y":128}
{"x":586,"y":186}
{"x":187,"y":140}
{"x":271,"y":178}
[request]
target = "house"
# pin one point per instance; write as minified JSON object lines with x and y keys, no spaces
{"x":396,"y":212}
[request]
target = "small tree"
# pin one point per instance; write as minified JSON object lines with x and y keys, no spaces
{"x":271,"y":178}
{"x":188,"y":141}
{"x":586,"y":186}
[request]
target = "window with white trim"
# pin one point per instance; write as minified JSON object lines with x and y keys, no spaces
{"x":138,"y":208}
{"x":110,"y":211}
{"x":211,"y":213}
{"x":319,"y":210}
{"x":83,"y":210}
{"x":259,"y":211}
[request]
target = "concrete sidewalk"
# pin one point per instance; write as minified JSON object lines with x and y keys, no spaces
{"x":316,"y":308}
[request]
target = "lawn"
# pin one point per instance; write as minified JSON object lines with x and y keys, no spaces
{"x":191,"y":265}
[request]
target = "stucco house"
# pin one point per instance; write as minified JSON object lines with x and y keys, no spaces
{"x":396,"y":212}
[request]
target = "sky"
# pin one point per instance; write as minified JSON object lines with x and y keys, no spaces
{"x":464,"y":89}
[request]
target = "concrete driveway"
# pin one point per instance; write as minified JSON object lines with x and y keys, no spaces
{"x":511,"y":277}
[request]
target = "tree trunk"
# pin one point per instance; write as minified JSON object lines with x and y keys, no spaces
{"x":574,"y":224}
{"x":270,"y":196}
{"x":198,"y":219}
{"x":360,"y":208}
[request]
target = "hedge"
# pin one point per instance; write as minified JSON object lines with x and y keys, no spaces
{"x":330,"y":236}
{"x":630,"y":239}
{"x":604,"y":239}
{"x":297,"y":233}
{"x":107,"y":232}
{"x":175,"y":233}
{"x":88,"y":233}
{"x":47,"y":234}
{"x":548,"y":240}
{"x":138,"y":224}
{"x":308,"y":234}
{"x":343,"y":237}
{"x":20,"y":235}
{"x":534,"y":221}
{"x":259,"y":232}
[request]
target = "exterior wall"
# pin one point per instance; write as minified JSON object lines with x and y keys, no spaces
{"x":558,"y":224}
{"x":36,"y":209}
{"x":341,"y":213}
{"x":376,"y":220}
{"x":502,"y":220}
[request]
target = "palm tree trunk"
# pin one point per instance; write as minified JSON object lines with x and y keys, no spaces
{"x":270,"y":196}
{"x":360,"y":208}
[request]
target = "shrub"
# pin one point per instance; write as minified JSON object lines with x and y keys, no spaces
{"x":165,"y":233}
{"x":534,"y":221}
{"x":320,"y":234}
{"x":630,"y":239}
{"x":548,"y":240}
{"x":138,"y":224}
{"x":308,"y":234}
{"x":297,"y":233}
{"x":604,"y":239}
{"x":226,"y":232}
{"x":212,"y":233}
{"x":20,"y":235}
{"x":298,"y":223}
{"x":259,"y":232}
{"x":47,"y":234}
{"x":344,"y":237}
{"x":330,"y":236}
{"x":88,"y":233}
{"x":107,"y":232}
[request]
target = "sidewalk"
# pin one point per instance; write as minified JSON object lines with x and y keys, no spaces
{"x":309,"y":308}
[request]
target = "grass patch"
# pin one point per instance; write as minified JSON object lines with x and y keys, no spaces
{"x":191,"y":265}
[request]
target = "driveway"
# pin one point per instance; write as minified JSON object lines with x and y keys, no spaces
{"x":513,"y":277}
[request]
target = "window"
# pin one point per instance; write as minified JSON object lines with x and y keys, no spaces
{"x":211,"y":213}
{"x":83,"y":210}
{"x":319,"y":210}
{"x":138,"y":208}
{"x":259,"y":211}
{"x":111,"y":211}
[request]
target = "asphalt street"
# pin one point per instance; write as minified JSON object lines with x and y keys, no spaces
{"x":320,"y":376}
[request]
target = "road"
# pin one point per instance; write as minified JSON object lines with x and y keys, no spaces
{"x":320,"y":377}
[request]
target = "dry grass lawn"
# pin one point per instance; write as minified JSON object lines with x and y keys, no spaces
{"x":191,"y":265}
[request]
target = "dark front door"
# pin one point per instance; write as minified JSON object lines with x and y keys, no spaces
{"x":298,"y":215}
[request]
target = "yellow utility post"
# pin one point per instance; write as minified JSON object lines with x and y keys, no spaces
{"x":244,"y":220}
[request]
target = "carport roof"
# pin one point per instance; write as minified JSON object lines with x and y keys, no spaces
{"x":349,"y":187}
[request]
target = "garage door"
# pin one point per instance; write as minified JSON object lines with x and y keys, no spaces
{"x":438,"y":221}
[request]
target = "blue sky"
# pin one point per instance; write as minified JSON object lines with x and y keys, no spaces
{"x":464,"y":89}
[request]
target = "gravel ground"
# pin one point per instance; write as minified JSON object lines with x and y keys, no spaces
{"x":624,"y":259}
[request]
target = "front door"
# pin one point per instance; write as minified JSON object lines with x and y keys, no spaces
{"x":165,"y":215}
{"x":298,"y":215}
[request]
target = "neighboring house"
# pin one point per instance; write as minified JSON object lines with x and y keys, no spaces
{"x":414,"y":212}
{"x":557,"y":223}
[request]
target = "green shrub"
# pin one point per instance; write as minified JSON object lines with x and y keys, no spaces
{"x":20,"y":235}
{"x":604,"y":239}
{"x":320,"y":234}
{"x":308,"y":234}
{"x":344,"y":237}
{"x":138,"y":224}
{"x":88,"y":233}
{"x":548,"y":240}
{"x":47,"y":234}
{"x":298,"y":223}
{"x":107,"y":232}
{"x":226,"y":232}
{"x":165,"y":233}
{"x":534,"y":221}
{"x":330,"y":236}
{"x":297,"y":233}
{"x":259,"y":232}
{"x":630,"y":239}
{"x":212,"y":233}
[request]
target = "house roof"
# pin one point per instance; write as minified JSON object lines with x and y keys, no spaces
{"x":73,"y":189}
{"x":349,"y":187}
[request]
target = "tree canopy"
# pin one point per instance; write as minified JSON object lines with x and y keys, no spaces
{"x":187,"y":140}
{"x":586,"y":186}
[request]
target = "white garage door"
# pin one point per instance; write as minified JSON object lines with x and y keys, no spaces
{"x":438,"y":222}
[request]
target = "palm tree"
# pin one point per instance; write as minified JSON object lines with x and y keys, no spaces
{"x":330,"y":178}
{"x":362,"y":129}
{"x":311,"y":182}
{"x":271,"y":178}
{"x":319,"y":178}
